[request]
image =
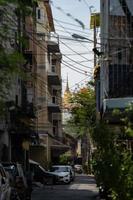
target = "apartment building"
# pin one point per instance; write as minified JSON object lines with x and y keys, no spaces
{"x":116,"y":62}
{"x":48,"y":87}
{"x":17,"y":123}
{"x":8,"y":45}
{"x":32,"y":125}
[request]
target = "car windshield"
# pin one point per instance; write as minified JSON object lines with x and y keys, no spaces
{"x":59,"y":169}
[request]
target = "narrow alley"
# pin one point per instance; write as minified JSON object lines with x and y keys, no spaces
{"x":83,"y":187}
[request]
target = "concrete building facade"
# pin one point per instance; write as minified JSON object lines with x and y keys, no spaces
{"x":32,"y":126}
{"x":48,"y":87}
{"x":116,"y":64}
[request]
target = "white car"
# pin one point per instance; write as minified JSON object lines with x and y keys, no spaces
{"x":63,"y":173}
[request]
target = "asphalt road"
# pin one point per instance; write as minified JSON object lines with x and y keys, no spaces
{"x":83,"y":188}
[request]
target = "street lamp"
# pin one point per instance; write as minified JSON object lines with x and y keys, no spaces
{"x":76,"y":36}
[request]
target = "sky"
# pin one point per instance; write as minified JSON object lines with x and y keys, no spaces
{"x":73,"y":17}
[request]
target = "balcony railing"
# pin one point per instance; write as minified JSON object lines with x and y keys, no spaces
{"x":56,"y":116}
{"x":53,"y":78}
{"x":54,"y":104}
{"x":54,"y":100}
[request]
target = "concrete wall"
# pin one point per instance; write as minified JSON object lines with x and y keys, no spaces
{"x":38,"y":154}
{"x":104,"y":48}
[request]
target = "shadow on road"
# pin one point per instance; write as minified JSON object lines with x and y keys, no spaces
{"x":83,"y":188}
{"x":61,"y":194}
{"x":85,"y":179}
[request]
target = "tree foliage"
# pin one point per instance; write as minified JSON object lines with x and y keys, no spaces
{"x":65,"y":159}
{"x":83,"y":110}
{"x":112,"y":161}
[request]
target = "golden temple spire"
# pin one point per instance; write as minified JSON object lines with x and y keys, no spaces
{"x":67,"y":85}
{"x":67,"y":96}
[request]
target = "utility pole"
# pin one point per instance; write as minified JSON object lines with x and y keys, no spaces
{"x":95,"y":39}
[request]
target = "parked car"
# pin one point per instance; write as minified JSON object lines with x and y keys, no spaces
{"x":78,"y":169}
{"x":72,"y":172}
{"x":63,"y":172}
{"x":39,"y":174}
{"x":18,"y":180}
{"x":5,"y":189}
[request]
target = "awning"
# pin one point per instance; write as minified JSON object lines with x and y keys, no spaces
{"x":59,"y":145}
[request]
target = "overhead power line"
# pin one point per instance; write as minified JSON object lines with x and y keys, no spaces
{"x":61,"y":42}
{"x":83,"y":32}
{"x":73,"y":50}
{"x":76,"y":70}
{"x":78,"y":82}
{"x":76,"y":62}
{"x":70,"y":35}
{"x":69,"y":15}
{"x":72,"y":24}
{"x":86,"y":3}
{"x":44,"y":48}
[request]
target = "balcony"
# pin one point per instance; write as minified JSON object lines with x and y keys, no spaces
{"x":22,"y":119}
{"x":56,"y":116}
{"x":54,"y":104}
{"x":53,"y":77}
{"x":110,"y":105}
{"x":25,"y":112}
{"x":53,"y":43}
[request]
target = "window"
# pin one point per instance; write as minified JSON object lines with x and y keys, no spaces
{"x":53,"y":99}
{"x":16,"y":99}
{"x":38,"y":14}
{"x":53,"y":68}
{"x":119,"y":54}
{"x":54,"y":130}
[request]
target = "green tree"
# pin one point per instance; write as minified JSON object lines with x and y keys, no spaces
{"x":11,"y":60}
{"x":83,"y":112}
{"x":82,"y":120}
{"x":112,"y":162}
{"x":65,"y":159}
